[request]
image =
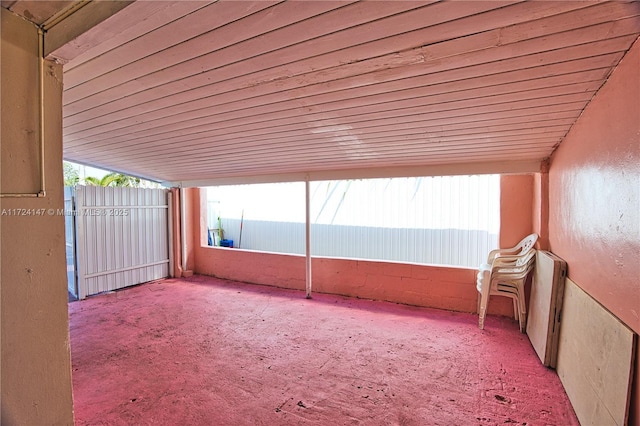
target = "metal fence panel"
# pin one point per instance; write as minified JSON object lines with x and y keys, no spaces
{"x":122,"y":237}
{"x":452,"y":220}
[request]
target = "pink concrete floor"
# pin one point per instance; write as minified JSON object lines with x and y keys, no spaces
{"x":203,"y":351}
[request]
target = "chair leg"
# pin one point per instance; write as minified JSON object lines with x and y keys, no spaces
{"x":519,"y":313}
{"x":482,"y":308}
{"x":523,"y":313}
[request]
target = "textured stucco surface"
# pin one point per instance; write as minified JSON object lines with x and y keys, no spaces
{"x":36,"y":366}
{"x":594,"y":200}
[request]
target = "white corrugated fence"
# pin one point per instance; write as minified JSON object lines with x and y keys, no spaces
{"x":451,"y":220}
{"x":121,"y":237}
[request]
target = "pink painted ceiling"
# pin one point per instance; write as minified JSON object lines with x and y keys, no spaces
{"x":195,"y":92}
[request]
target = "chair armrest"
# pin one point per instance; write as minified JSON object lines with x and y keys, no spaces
{"x":513,"y":264}
{"x":505,"y":260}
{"x":501,"y":252}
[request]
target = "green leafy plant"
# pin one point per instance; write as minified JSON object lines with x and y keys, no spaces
{"x":113,"y":179}
{"x":71,"y":177}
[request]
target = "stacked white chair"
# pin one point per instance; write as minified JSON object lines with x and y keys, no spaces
{"x":505,"y":274}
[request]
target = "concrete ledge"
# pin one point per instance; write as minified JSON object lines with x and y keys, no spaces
{"x":442,"y":287}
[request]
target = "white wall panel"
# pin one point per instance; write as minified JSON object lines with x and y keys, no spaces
{"x":70,"y":240}
{"x":122,"y":237}
{"x":451,"y":220}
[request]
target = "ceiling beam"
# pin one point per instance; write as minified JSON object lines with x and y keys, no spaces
{"x":71,"y":23}
{"x":480,"y":168}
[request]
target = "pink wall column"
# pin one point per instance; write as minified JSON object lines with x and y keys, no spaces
{"x":541,"y":208}
{"x":192,"y":227}
{"x":516,"y":222}
{"x":516,"y":205}
{"x":175,"y":229}
{"x":594,"y":200}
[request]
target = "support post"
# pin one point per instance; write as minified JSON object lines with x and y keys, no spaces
{"x":307,"y":236}
{"x":170,"y":232}
{"x":183,"y":234}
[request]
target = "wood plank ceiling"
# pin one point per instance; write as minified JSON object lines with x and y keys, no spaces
{"x":194,"y":92}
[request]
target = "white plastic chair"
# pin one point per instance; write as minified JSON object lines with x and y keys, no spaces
{"x":506,"y":276}
{"x":521,"y":248}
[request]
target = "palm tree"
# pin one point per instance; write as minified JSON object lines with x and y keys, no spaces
{"x":113,"y":179}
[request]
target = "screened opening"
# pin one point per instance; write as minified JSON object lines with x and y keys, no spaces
{"x":443,"y":220}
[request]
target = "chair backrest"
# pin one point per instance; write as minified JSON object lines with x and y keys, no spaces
{"x":522,"y":248}
{"x":527,"y":243}
{"x":527,"y":258}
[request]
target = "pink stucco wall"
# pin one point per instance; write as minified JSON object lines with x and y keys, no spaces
{"x":595,"y":195}
{"x":594,"y":199}
{"x":516,"y":205}
{"x":420,"y":285}
{"x":541,"y":208}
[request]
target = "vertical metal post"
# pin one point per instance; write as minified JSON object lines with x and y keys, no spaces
{"x":81,"y":244}
{"x":170,"y":231}
{"x":307,"y":232}
{"x":183,"y":234}
{"x":74,"y":237}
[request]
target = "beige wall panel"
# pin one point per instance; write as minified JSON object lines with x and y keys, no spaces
{"x":595,"y":358}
